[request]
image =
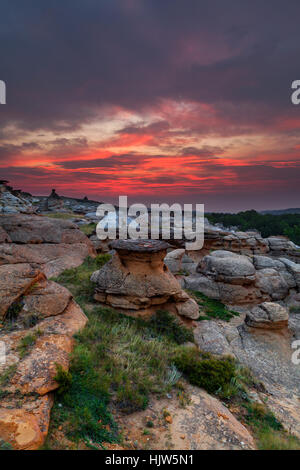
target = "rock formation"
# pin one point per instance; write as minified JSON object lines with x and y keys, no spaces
{"x":268,"y":315}
{"x":32,"y":307}
{"x":137,"y":281}
{"x":14,"y":202}
{"x":240,"y":279}
{"x":51,"y":245}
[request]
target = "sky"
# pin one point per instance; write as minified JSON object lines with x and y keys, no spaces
{"x":162,"y":101}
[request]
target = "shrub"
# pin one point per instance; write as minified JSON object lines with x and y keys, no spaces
{"x":209,"y":373}
{"x":63,"y":378}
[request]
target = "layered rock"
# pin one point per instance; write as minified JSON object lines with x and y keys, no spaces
{"x":14,"y":202}
{"x":28,"y":374}
{"x":51,"y":245}
{"x":268,"y":315}
{"x":137,"y":281}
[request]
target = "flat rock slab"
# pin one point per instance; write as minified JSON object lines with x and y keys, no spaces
{"x":203,"y":424}
{"x":52,"y":259}
{"x":23,"y":228}
{"x":140,"y":246}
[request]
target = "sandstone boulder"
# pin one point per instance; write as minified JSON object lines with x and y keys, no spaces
{"x":38,"y":229}
{"x":137,"y":280}
{"x":268,"y":315}
{"x":224,"y":266}
{"x":271,"y":282}
{"x":15,"y":280}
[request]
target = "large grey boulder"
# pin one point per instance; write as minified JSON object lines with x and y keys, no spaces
{"x":224,"y":266}
{"x":293,"y":269}
{"x":173,"y":260}
{"x":273,"y":283}
{"x":202,"y":284}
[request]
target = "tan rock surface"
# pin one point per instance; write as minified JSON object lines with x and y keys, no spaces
{"x":202,"y":424}
{"x":15,"y":280}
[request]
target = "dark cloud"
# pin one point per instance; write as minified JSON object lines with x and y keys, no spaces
{"x":62,"y":61}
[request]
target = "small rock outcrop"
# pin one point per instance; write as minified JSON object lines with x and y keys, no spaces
{"x":50,"y":245}
{"x":14,"y":202}
{"x":137,"y":281}
{"x":54,"y":202}
{"x":268,"y":315}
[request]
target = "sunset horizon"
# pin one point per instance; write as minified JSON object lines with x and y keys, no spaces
{"x":152,"y":101}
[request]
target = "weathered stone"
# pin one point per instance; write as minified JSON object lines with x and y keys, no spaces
{"x":269,"y":281}
{"x":202,"y":284}
{"x":174,"y":259}
{"x":236,"y":294}
{"x":224,"y":266}
{"x":209,"y":337}
{"x":52,"y":259}
{"x":204,"y":423}
{"x":15,"y":280}
{"x":35,"y":373}
{"x":137,"y":280}
{"x":47,"y":299}
{"x":20,"y":428}
{"x":189,"y":309}
{"x":4,"y":237}
{"x":38,"y":229}
{"x":268,"y":315}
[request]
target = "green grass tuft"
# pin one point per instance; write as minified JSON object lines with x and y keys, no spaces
{"x":27,"y":342}
{"x":77,"y":280}
{"x":204,"y":370}
{"x":213,"y":308}
{"x":88,"y":229}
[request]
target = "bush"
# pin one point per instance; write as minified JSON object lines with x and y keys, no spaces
{"x":63,"y":378}
{"x":205,"y":371}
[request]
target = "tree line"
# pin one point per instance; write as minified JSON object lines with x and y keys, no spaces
{"x":267,"y":224}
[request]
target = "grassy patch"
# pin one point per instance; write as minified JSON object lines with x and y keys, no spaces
{"x":5,"y":445}
{"x":212,"y":308}
{"x":204,"y":370}
{"x":88,"y":229}
{"x":165,"y":324}
{"x":268,"y":430}
{"x":27,"y":342}
{"x":118,"y":362}
{"x":77,"y":280}
{"x":61,"y":215}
